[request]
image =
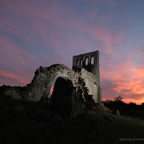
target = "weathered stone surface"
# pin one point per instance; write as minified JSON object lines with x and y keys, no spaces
{"x":101,"y":107}
{"x":13,"y":94}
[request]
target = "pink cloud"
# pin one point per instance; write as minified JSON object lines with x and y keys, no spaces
{"x":33,"y":14}
{"x":16,"y":58}
{"x":12,"y":77}
{"x":53,"y":15}
{"x":132,"y":80}
{"x":127,"y":80}
{"x":9,"y":52}
{"x":31,"y":9}
{"x":96,"y":32}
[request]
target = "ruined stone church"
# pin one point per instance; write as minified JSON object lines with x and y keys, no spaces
{"x":74,"y":88}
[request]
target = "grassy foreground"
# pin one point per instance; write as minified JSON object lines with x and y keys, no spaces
{"x":33,"y":123}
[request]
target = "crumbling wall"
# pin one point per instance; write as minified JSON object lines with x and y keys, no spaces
{"x":44,"y":78}
{"x":90,"y":84}
{"x":88,"y":65}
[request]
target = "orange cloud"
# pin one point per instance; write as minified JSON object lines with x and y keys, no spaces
{"x":127,"y":79}
{"x":131,"y":79}
{"x":138,"y":102}
{"x":128,"y":100}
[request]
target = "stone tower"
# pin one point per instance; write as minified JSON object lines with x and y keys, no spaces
{"x":90,"y":62}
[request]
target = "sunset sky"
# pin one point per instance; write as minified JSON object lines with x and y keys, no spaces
{"x":37,"y":33}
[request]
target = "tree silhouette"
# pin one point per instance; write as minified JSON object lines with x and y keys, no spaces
{"x":118,"y":99}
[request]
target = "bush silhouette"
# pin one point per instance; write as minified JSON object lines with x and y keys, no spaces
{"x":116,"y":103}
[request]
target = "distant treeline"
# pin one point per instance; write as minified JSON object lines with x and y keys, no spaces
{"x":117,"y":103}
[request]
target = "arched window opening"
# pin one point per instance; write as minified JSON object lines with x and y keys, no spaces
{"x":92,"y":60}
{"x":86,"y":61}
{"x":81,"y":62}
{"x":77,"y":63}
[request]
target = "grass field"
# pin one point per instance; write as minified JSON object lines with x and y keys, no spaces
{"x":33,"y":123}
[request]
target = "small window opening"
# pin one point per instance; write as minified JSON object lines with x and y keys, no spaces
{"x":92,"y":60}
{"x":86,"y":61}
